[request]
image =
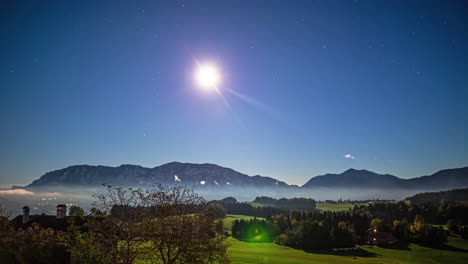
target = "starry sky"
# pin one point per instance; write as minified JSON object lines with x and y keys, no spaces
{"x":308,"y":87}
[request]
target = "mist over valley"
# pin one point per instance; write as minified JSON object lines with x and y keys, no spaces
{"x":76,"y":185}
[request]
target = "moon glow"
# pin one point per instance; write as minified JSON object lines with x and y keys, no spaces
{"x":207,"y":77}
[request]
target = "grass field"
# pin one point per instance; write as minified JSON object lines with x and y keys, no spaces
{"x":337,"y":206}
{"x":420,"y":254}
{"x":255,"y":204}
{"x":343,"y":206}
{"x":243,"y":253}
{"x":458,"y":242}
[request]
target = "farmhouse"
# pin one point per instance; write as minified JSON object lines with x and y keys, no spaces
{"x":60,"y":221}
{"x":380,"y":238}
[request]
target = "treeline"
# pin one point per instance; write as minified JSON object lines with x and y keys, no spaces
{"x":437,"y":197}
{"x":255,"y":230}
{"x":302,"y":231}
{"x":297,"y":230}
{"x":433,"y":213}
{"x":408,"y":222}
{"x":232,"y":206}
{"x":293,"y":203}
{"x":417,"y":222}
{"x":354,"y":201}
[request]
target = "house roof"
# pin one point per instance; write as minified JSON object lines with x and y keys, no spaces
{"x":382,"y":236}
{"x":48,"y":221}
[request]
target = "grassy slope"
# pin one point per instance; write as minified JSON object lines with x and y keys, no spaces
{"x":255,"y":204}
{"x":242,"y":252}
{"x":337,"y":207}
{"x":343,"y":206}
{"x":458,"y":242}
{"x":420,"y":254}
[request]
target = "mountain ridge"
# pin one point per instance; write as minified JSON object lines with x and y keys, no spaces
{"x":197,"y":175}
{"x":189,"y":174}
{"x":351,"y":176}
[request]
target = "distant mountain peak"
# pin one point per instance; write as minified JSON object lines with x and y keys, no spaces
{"x":352,"y":170}
{"x":192,"y":175}
{"x":353,"y":178}
{"x":195,"y":175}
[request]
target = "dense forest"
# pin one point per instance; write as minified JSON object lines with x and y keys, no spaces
{"x":232,"y":206}
{"x":302,"y":204}
{"x":324,"y":230}
{"x":437,"y":197}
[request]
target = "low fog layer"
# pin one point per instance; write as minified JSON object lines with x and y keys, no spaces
{"x":319,"y":194}
{"x":44,"y":200}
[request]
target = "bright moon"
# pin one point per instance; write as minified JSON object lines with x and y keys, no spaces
{"x":207,"y":77}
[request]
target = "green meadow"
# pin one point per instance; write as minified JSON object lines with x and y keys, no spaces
{"x":343,"y":206}
{"x":337,"y":206}
{"x":240,"y":252}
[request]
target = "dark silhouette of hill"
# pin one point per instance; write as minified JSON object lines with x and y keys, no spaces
{"x":174,"y":173}
{"x":214,"y":176}
{"x":355,"y":178}
{"x":435,"y":197}
{"x":441,"y":180}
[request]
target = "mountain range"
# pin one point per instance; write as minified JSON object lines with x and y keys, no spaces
{"x":441,"y":180}
{"x":173,"y":173}
{"x":210,"y":175}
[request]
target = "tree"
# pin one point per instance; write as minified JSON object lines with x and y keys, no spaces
{"x":76,"y":211}
{"x":343,"y":236}
{"x":219,"y":225}
{"x":120,"y":236}
{"x":218,"y":209}
{"x":464,"y":232}
{"x":311,"y":235}
{"x":283,"y":239}
{"x":435,"y":236}
{"x":419,"y":226}
{"x":427,"y":234}
{"x":36,"y":245}
{"x":400,"y":229}
{"x":84,"y":247}
{"x":376,"y":224}
{"x":235,"y":228}
{"x":159,"y":225}
{"x":182,"y":229}
{"x":453,"y":227}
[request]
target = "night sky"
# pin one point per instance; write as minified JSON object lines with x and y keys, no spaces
{"x":309,"y":87}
